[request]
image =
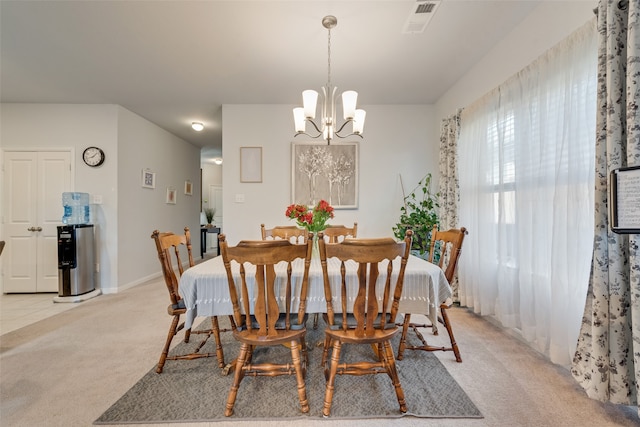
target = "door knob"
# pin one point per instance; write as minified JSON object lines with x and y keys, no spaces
{"x":31,"y":229}
{"x":38,"y":229}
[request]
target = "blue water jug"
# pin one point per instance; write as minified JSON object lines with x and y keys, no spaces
{"x":76,"y":208}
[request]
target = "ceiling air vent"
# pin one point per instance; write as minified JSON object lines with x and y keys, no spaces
{"x":419,"y":16}
{"x":425,"y":8}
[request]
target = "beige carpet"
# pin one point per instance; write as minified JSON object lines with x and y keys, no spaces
{"x":69,"y":369}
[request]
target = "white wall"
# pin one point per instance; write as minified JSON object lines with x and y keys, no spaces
{"x":143,"y":145}
{"x":42,"y":126}
{"x":396,"y":141}
{"x":543,"y":28}
{"x":128,"y":213}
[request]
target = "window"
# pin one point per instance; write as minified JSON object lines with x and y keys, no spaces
{"x":526,"y":153}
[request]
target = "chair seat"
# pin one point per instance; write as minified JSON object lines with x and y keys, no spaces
{"x":352,"y":322}
{"x":178,"y":308}
{"x":349,"y":336}
{"x":282,"y":336}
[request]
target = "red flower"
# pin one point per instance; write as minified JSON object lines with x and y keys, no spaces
{"x":313,"y":220}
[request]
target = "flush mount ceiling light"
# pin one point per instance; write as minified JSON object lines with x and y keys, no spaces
{"x":197,"y":126}
{"x":217,"y":160}
{"x":328,"y":127}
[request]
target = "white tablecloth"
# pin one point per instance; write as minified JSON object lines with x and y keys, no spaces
{"x":205,"y":288}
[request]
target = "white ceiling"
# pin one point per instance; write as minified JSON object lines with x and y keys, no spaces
{"x":174,"y":62}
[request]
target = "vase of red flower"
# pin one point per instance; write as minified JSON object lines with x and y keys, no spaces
{"x":313,"y":219}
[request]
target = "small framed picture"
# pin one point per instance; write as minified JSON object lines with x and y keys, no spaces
{"x":188,"y":188}
{"x":250,"y":164}
{"x":148,"y":179}
{"x":171,"y":196}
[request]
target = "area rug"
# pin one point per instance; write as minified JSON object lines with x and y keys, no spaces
{"x":196,"y":390}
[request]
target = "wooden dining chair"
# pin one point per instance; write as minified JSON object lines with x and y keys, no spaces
{"x":166,"y":244}
{"x":286,"y":232}
{"x":444,"y":251}
{"x":336,"y":233}
{"x":371,"y":320}
{"x":259,"y":319}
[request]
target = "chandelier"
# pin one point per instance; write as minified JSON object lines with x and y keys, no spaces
{"x":328,"y":127}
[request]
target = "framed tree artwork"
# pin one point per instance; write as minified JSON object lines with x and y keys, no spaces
{"x":325,"y":172}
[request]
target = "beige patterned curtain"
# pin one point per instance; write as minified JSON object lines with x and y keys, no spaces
{"x":449,"y":185}
{"x":607,"y":359}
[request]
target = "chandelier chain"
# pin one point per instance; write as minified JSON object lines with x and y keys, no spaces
{"x":329,"y":58}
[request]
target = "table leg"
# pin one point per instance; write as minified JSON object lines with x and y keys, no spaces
{"x":203,"y":242}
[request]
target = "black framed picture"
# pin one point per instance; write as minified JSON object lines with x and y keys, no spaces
{"x":624,"y":206}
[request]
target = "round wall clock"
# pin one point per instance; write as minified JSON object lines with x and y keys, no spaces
{"x":93,"y":156}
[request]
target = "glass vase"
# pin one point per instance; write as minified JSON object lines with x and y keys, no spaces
{"x":315,"y":251}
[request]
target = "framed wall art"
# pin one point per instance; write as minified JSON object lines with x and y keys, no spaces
{"x":320,"y":171}
{"x":171,"y":196}
{"x":624,"y":200}
{"x":250,"y":164}
{"x":148,"y":179}
{"x":188,"y":188}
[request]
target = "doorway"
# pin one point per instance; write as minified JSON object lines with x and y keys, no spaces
{"x":33,"y":185}
{"x":215,"y":202}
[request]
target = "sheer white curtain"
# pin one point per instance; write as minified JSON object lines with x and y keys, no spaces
{"x":526,"y":196}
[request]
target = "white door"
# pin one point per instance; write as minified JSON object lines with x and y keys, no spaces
{"x":215,"y":202}
{"x":33,"y":187}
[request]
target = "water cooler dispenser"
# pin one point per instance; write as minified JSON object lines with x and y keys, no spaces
{"x":76,"y":260}
{"x":76,"y":254}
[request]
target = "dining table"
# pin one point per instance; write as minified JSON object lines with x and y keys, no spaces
{"x":205,"y":289}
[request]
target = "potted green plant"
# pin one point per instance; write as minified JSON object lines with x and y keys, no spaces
{"x":209,"y":213}
{"x":420,"y":214}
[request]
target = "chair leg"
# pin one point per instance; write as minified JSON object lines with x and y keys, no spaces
{"x":393,"y":374}
{"x":237,"y":378}
{"x":425,"y":346}
{"x":216,"y":335}
{"x":328,"y":394}
{"x":165,"y":351}
{"x":447,"y":325}
{"x":403,"y":337}
{"x":297,"y":364}
{"x":325,"y":354}
{"x":305,"y":355}
{"x":229,"y":367}
{"x":233,"y":323}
